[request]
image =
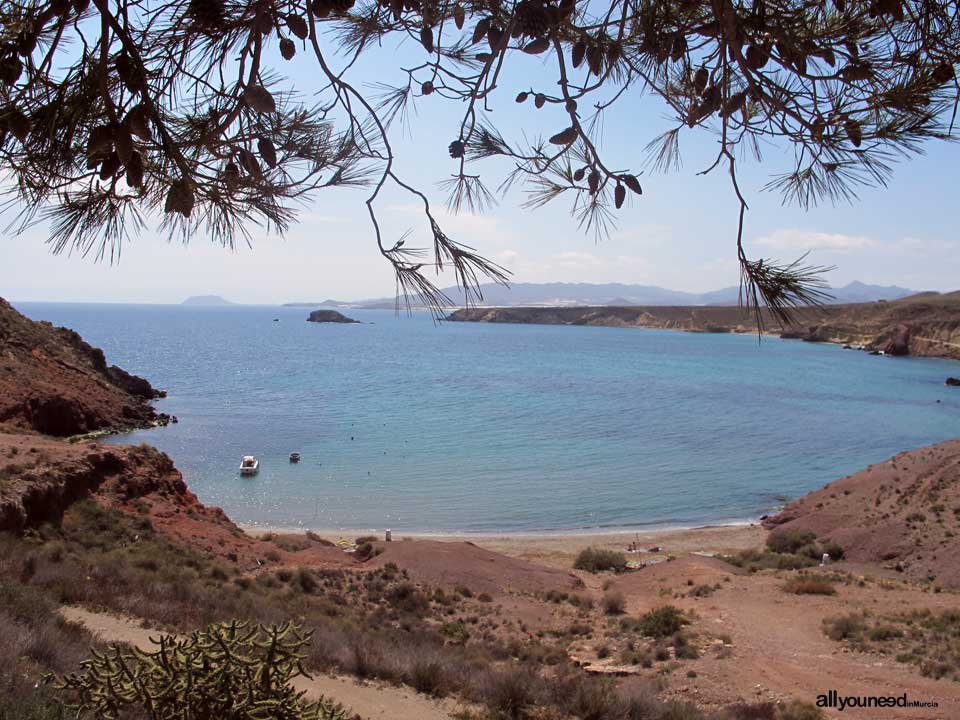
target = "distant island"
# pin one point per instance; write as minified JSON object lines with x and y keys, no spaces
{"x":926,"y":324}
{"x":206,"y":300}
{"x":330,"y":316}
{"x":325,"y":303}
{"x":603,"y":294}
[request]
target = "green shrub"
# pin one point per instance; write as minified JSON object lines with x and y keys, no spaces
{"x":39,"y":705}
{"x":599,"y":559}
{"x":683,"y":648}
{"x":366,"y":550}
{"x":809,"y":586}
{"x":703,"y":590}
{"x":306,"y":580}
{"x":456,"y":631}
{"x":789,"y":541}
{"x":662,"y":622}
{"x":509,"y":694}
{"x":844,"y":627}
{"x":614,"y":602}
{"x":406,"y":597}
{"x":753,"y":560}
{"x":581,"y":602}
{"x":882,"y":633}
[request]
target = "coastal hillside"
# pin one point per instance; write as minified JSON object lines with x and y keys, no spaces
{"x":903,"y":514}
{"x":927,"y":324}
{"x":693,"y":318}
{"x":54,"y":383}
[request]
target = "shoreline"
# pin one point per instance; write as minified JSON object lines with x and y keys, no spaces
{"x":560,"y":550}
{"x":652,"y":529}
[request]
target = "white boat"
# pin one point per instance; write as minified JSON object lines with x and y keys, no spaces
{"x":249,"y":465}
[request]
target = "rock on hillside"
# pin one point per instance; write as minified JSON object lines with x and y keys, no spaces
{"x":329,"y":316}
{"x":903,"y":513}
{"x":54,"y":383}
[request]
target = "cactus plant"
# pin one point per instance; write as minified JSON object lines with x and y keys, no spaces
{"x":231,"y":671}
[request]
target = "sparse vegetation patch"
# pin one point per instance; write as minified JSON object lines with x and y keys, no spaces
{"x":809,"y":585}
{"x":600,"y":559}
{"x":663,"y":621}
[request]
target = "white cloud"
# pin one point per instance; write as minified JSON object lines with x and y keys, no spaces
{"x":926,"y":247}
{"x":793,"y":240}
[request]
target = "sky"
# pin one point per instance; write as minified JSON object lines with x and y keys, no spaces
{"x":680,"y":234}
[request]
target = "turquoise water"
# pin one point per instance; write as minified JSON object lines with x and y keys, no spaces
{"x":493,"y":428}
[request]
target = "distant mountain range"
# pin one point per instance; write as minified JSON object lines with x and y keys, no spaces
{"x":206,"y":300}
{"x":611,"y":294}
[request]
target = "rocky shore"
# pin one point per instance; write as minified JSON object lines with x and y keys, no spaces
{"x":925,"y":325}
{"x":54,"y":383}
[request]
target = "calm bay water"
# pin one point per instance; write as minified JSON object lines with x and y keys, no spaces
{"x":467,"y":427}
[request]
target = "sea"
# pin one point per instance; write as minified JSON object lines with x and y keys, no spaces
{"x":426,"y":427}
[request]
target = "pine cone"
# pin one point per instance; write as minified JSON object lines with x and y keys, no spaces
{"x":10,"y":70}
{"x":206,"y":14}
{"x":341,"y":6}
{"x":456,"y":149}
{"x":533,"y":19}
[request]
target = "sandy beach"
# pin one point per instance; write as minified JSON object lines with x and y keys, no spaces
{"x":558,"y":550}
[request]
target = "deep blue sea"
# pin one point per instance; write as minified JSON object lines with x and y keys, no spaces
{"x":464,"y":427}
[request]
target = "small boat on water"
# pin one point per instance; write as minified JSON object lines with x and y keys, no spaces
{"x":249,"y":465}
{"x":294,"y":457}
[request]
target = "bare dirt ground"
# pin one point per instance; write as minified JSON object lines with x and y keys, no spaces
{"x":777,"y":647}
{"x":757,"y":642}
{"x":369,"y":700}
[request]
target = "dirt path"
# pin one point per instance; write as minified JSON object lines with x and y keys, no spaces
{"x":370,"y":701}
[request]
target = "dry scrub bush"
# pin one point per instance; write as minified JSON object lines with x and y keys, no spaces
{"x":809,"y":586}
{"x":599,"y":559}
{"x":614,"y":603}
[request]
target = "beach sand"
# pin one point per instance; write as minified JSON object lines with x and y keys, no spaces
{"x":559,"y":550}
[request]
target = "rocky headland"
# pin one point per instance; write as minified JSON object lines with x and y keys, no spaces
{"x":54,"y":383}
{"x":927,"y":324}
{"x":924,"y":325}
